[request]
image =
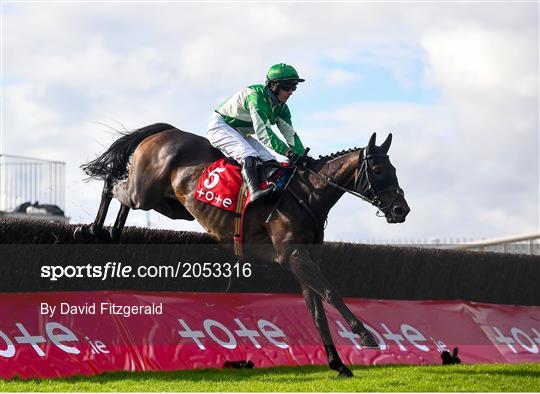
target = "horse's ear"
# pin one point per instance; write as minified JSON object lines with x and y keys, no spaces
{"x":386,"y":144}
{"x":371,"y":143}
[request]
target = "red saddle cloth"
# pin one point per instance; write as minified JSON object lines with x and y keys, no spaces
{"x":219,"y":185}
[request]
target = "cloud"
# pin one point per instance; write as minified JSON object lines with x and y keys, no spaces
{"x":467,"y":158}
{"x":340,"y":77}
{"x":451,"y":184}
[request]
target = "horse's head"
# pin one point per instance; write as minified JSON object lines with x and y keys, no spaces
{"x":376,"y":180}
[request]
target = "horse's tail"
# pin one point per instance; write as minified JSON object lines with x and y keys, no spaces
{"x":114,"y":161}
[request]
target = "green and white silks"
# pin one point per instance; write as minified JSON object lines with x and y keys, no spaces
{"x":250,"y":112}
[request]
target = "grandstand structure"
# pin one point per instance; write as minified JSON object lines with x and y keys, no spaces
{"x":32,"y":188}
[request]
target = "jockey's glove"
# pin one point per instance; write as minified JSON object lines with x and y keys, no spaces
{"x":293,"y":157}
{"x":308,"y":160}
{"x":299,"y":160}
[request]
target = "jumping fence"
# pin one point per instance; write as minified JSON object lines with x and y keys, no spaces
{"x":418,"y":302}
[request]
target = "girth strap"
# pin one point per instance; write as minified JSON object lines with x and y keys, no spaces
{"x":239,"y":221}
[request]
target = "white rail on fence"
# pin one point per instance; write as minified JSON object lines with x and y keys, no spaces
{"x":519,"y":244}
{"x":508,"y":244}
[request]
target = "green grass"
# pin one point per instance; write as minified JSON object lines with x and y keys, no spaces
{"x":495,"y":377}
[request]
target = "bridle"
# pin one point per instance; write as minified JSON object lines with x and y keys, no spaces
{"x":364,"y":182}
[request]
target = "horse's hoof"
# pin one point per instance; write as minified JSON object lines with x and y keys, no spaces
{"x":115,"y":235}
{"x":87,"y":233}
{"x":100,"y":235}
{"x":82,"y":233}
{"x":367,"y":340}
{"x":77,"y":233}
{"x":345,"y":372}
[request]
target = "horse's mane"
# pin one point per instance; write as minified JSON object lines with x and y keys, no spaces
{"x":335,"y":155}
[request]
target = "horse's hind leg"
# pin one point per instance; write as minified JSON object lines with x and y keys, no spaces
{"x":173,"y":209}
{"x":153,"y":197}
{"x":315,"y":306}
{"x":96,"y":228}
{"x":116,"y":229}
{"x":308,"y":273}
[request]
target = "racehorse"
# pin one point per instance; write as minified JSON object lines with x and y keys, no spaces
{"x":158,"y":167}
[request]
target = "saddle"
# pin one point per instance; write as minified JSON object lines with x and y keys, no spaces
{"x":222,"y":186}
{"x":221,"y":183}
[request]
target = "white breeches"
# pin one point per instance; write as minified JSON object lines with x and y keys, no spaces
{"x":232,"y":144}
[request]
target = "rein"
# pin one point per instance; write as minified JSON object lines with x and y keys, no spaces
{"x":329,"y":182}
{"x":375,"y":201}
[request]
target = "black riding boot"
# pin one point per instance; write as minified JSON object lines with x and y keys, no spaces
{"x":249,"y":173}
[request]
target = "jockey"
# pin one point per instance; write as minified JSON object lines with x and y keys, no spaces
{"x":252,"y":111}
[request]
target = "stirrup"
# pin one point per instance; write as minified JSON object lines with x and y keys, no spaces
{"x":260,"y":193}
{"x":250,"y":176}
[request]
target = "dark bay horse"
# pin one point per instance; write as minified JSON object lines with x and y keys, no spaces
{"x":158,"y":167}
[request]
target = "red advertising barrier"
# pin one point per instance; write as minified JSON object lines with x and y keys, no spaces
{"x":84,"y":333}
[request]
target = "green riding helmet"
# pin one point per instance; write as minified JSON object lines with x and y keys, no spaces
{"x":283,"y":72}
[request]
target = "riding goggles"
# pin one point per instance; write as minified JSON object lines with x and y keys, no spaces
{"x":287,"y":86}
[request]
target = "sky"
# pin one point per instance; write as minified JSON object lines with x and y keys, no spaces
{"x":456,"y":83}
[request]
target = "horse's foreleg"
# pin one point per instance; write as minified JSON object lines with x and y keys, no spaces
{"x":308,"y":273}
{"x":315,"y":306}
